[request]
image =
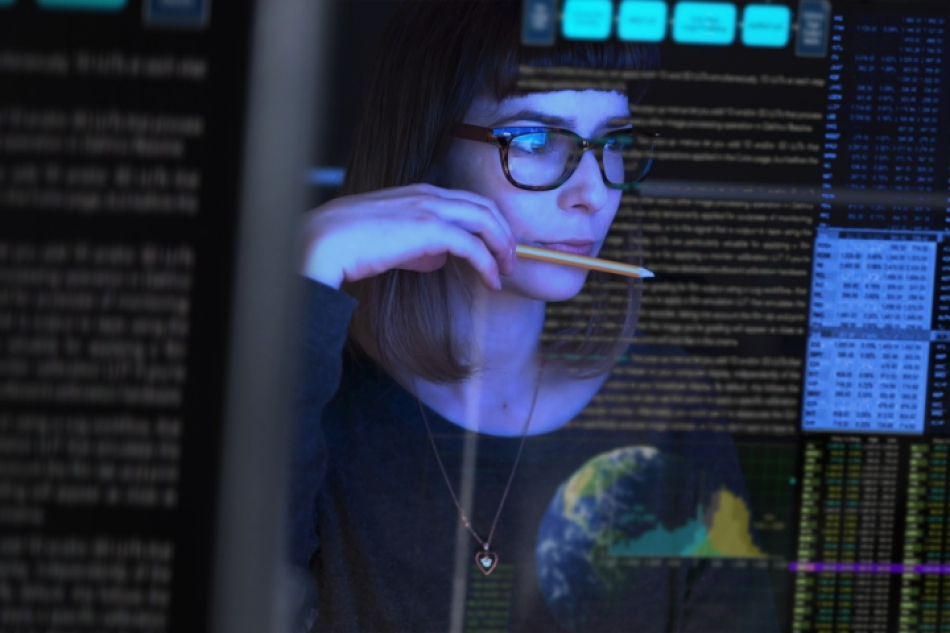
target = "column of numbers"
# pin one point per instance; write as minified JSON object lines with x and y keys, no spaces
{"x":865,"y":385}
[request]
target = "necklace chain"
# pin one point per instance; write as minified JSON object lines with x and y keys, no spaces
{"x":524,"y":433}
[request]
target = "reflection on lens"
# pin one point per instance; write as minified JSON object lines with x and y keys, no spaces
{"x":539,"y":159}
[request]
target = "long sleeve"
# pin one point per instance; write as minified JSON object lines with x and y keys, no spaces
{"x":326,"y":317}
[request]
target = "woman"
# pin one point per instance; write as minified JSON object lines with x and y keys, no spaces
{"x":438,"y":485}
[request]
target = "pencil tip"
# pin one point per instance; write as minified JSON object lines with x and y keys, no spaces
{"x":644,"y":273}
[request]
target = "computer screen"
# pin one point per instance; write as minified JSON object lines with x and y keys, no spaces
{"x":796,"y":327}
{"x":146,"y":287}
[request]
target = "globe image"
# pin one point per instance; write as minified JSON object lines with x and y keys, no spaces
{"x":631,"y":503}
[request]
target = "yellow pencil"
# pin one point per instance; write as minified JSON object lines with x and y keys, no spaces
{"x":580,"y":261}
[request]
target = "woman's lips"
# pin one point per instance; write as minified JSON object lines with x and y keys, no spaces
{"x":575,"y":247}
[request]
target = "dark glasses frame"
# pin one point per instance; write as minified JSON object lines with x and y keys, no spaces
{"x":503,"y":136}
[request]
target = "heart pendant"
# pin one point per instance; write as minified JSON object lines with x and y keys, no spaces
{"x":486,"y":561}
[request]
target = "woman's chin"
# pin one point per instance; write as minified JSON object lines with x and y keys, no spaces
{"x":548,"y":282}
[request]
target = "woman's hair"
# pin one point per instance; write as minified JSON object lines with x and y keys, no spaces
{"x":435,"y":58}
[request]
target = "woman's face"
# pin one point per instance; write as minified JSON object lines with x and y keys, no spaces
{"x":575,"y":217}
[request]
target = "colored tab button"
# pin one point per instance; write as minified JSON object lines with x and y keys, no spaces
{"x":538,"y":22}
{"x":587,"y":19}
{"x":704,"y":23}
{"x":814,"y":24}
{"x":186,"y":13}
{"x":766,"y":25}
{"x":82,"y":5}
{"x":642,"y":20}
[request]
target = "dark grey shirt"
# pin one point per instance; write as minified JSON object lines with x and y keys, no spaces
{"x":588,"y":513}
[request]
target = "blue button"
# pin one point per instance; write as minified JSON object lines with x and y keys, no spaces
{"x":82,"y":5}
{"x":587,"y":19}
{"x":704,"y":23}
{"x":814,"y":24}
{"x":642,"y":20}
{"x":766,"y":25}
{"x":539,"y":23}
{"x":177,"y":12}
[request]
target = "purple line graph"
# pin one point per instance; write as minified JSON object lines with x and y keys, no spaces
{"x":869,"y":568}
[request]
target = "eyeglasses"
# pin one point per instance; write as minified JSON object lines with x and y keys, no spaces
{"x":544,"y":158}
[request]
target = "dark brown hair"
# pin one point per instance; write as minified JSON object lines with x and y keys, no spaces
{"x":435,"y":58}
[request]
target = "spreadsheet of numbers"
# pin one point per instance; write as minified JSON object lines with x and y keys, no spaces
{"x":870,"y":331}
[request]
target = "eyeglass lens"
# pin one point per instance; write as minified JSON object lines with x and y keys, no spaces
{"x":538,"y":159}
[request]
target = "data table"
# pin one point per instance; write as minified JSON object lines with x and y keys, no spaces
{"x":869,"y":338}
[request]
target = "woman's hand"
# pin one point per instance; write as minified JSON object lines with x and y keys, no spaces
{"x":413,"y":228}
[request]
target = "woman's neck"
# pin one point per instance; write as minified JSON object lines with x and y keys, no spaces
{"x":498,"y":334}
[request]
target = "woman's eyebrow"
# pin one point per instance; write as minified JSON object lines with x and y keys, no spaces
{"x":534,"y":115}
{"x":556,"y":121}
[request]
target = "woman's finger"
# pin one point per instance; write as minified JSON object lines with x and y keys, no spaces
{"x":465,"y":245}
{"x":477,"y":199}
{"x":474,"y":219}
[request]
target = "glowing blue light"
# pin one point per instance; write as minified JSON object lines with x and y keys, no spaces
{"x":766,"y":25}
{"x":704,"y":23}
{"x":642,"y":20}
{"x":587,"y":19}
